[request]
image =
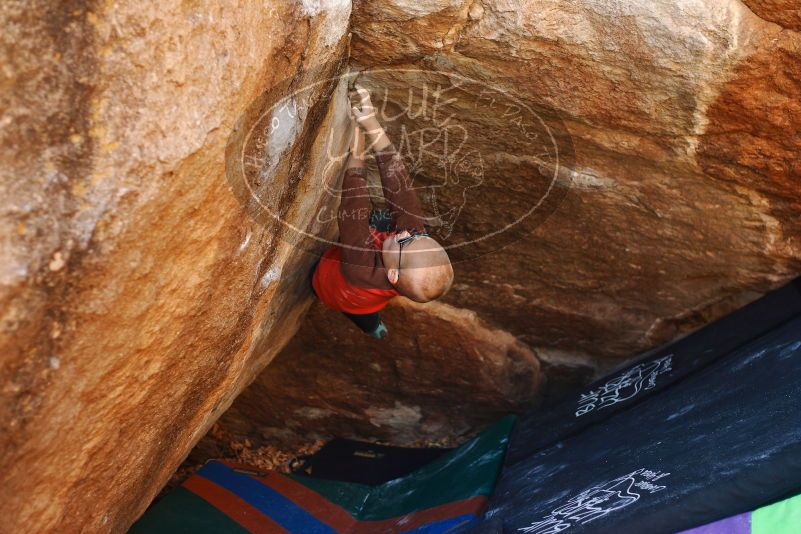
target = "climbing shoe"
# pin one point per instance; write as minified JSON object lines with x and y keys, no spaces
{"x":380,"y":332}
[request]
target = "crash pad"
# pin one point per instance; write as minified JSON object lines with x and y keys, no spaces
{"x":706,"y":428}
{"x":447,"y":494}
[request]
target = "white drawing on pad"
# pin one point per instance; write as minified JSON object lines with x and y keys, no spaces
{"x":624,"y":386}
{"x":598,"y":501}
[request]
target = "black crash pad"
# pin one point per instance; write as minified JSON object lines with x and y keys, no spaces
{"x":348,"y":460}
{"x":659,"y":370}
{"x":713,"y":431}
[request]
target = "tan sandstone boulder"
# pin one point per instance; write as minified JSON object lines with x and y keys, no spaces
{"x":649,"y":150}
{"x":678,"y":122}
{"x":606,"y":174}
{"x":138,"y":294}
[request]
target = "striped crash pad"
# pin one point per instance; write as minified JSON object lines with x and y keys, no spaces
{"x":444,"y":496}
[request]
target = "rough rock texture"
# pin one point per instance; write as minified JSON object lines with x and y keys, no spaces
{"x":441,"y":375}
{"x":645,"y":156}
{"x":786,"y":13}
{"x":676,"y":196}
{"x":137,"y":295}
{"x":681,"y":199}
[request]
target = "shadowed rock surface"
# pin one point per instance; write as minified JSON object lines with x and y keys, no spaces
{"x":683,"y":189}
{"x":441,"y":375}
{"x":785,"y":13}
{"x":677,"y":199}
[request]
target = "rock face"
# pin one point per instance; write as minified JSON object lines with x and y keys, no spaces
{"x":137,"y":295}
{"x":607,"y":175}
{"x":675,"y":198}
{"x":785,"y":13}
{"x":679,"y":200}
{"x":440,"y":375}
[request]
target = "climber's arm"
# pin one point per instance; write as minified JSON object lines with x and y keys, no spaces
{"x":404,"y":206}
{"x":403,"y":203}
{"x":360,"y":264}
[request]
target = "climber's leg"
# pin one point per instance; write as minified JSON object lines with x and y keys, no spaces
{"x":369,"y":323}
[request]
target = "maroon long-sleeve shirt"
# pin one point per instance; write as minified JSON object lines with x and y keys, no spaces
{"x":351,"y":276}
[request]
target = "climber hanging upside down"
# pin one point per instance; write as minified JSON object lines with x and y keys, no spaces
{"x":381,"y":253}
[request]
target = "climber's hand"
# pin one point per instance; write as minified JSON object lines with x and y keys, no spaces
{"x":364,"y":113}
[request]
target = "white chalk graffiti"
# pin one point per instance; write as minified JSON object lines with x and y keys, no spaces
{"x":625,"y":385}
{"x":598,"y":501}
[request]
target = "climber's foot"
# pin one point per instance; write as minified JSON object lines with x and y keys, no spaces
{"x":380,"y":332}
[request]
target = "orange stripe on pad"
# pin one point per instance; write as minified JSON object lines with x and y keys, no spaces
{"x":342,"y":521}
{"x":233,"y":506}
{"x":326,"y":511}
